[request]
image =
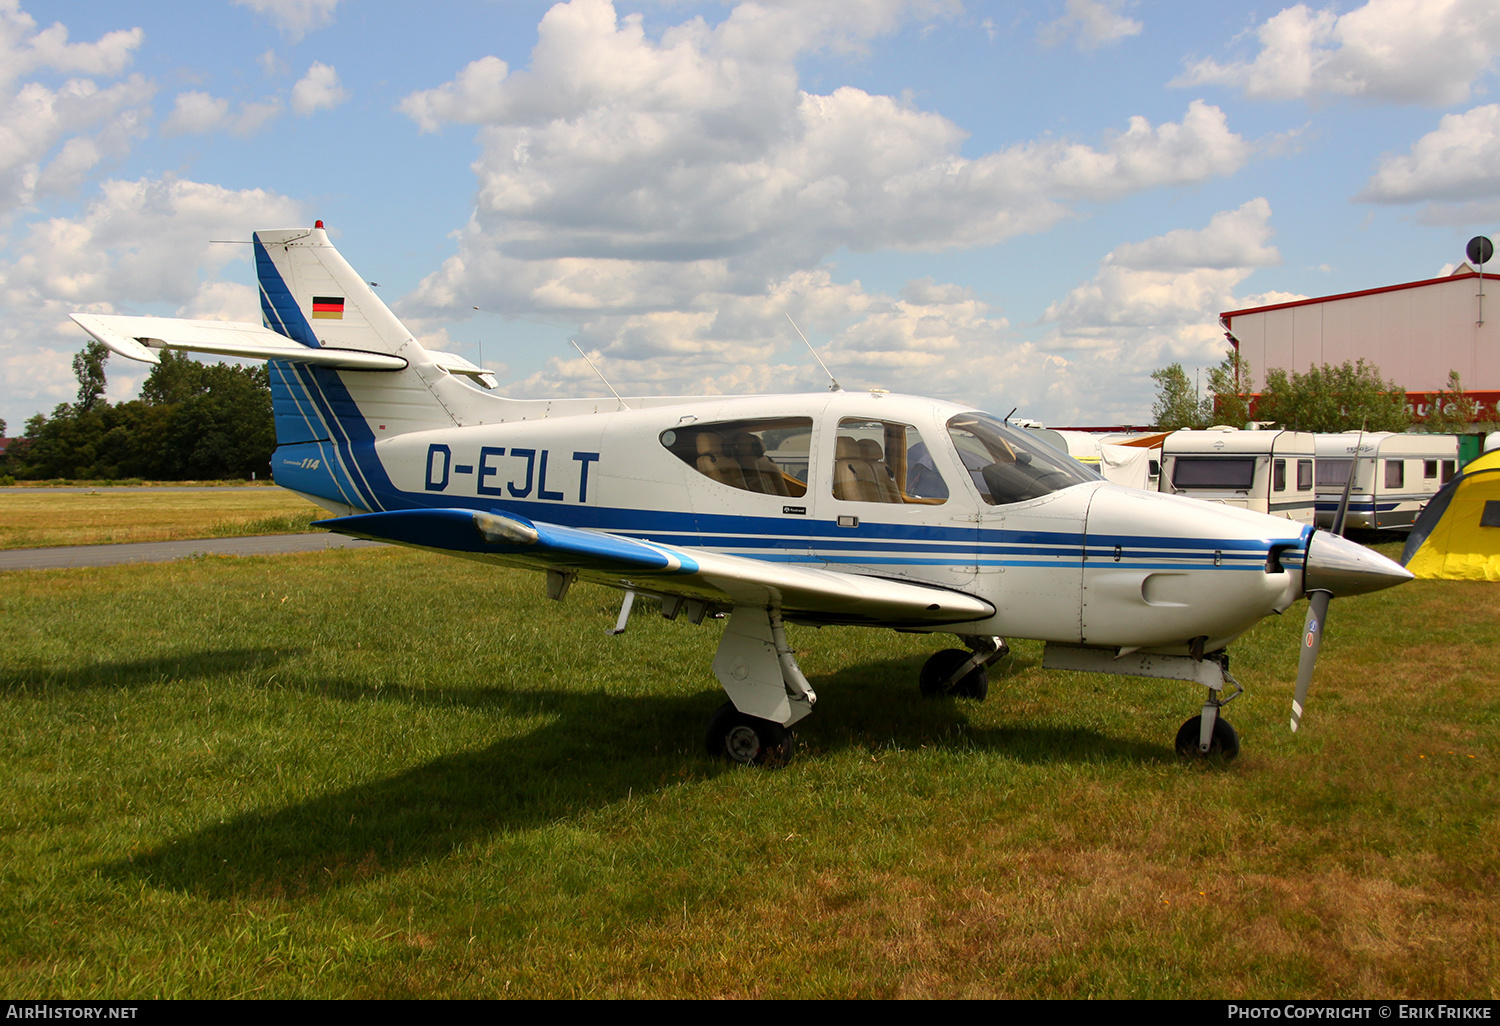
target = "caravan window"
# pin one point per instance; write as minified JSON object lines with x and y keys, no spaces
{"x":1333,"y":473}
{"x":1449,"y":466}
{"x":1429,"y":469}
{"x":1395,"y":473}
{"x":1279,"y":477}
{"x":1214,"y":472}
{"x":1304,"y":475}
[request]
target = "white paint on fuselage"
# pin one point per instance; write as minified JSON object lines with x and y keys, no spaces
{"x":1184,"y":569}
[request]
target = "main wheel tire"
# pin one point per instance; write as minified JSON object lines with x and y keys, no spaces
{"x":748,"y":740}
{"x":935,"y":673}
{"x":1225,"y":742}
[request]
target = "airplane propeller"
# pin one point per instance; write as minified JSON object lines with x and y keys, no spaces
{"x":1312,"y":641}
{"x":1335,"y":567}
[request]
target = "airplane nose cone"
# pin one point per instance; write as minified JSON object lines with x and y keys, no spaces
{"x":1342,"y":567}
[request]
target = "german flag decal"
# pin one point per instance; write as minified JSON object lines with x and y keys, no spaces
{"x":328,"y":307}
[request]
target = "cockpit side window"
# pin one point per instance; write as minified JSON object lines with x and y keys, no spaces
{"x":767,"y":456}
{"x":885,"y":461}
{"x":1008,"y":465}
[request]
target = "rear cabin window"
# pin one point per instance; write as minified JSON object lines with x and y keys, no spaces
{"x":1214,"y":472}
{"x":766,"y":456}
{"x":885,"y":461}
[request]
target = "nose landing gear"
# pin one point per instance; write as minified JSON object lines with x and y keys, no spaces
{"x":1209,"y":734}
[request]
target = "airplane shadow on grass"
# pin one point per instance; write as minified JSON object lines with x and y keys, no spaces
{"x":138,"y":673}
{"x":596,"y":748}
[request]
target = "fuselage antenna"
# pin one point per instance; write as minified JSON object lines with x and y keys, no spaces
{"x":833,"y":382}
{"x":602,"y":378}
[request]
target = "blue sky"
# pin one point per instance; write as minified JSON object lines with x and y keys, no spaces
{"x":1007,"y":207}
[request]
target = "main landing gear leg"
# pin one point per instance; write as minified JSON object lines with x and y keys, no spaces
{"x":963,"y":674}
{"x":767,"y":691}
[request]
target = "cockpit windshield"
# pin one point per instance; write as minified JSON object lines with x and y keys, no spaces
{"x":1010,"y":464}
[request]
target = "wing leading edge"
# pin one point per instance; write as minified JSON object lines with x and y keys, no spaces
{"x":804,"y":594}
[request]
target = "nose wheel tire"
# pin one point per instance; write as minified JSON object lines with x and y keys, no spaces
{"x":748,"y":740}
{"x":1225,"y":742}
{"x":936,"y":671}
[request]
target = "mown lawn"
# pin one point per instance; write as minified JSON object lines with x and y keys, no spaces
{"x":381,"y":773}
{"x":37,"y":519}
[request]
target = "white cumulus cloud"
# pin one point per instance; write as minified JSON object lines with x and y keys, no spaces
{"x":1397,"y":51}
{"x":53,"y":138}
{"x":24,"y":50}
{"x":1152,"y":303}
{"x":318,"y":90}
{"x":1091,"y":24}
{"x":624,"y":172}
{"x":194,"y":113}
{"x":139,"y":247}
{"x":1455,"y":162}
{"x":295,"y":18}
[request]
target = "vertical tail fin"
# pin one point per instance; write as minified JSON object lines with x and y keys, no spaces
{"x":328,"y":421}
{"x":310,"y":294}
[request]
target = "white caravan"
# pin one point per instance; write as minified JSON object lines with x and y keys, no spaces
{"x":1398,"y":475}
{"x":1133,"y":460}
{"x":1266,"y":471}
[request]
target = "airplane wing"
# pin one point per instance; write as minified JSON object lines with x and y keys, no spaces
{"x":135,"y":337}
{"x":804,"y":594}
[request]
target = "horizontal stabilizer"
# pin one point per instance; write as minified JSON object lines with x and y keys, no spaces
{"x":135,"y":337}
{"x":804,"y":594}
{"x":455,"y":364}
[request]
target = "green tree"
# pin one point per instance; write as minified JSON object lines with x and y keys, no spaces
{"x":1177,"y":404}
{"x":1338,"y":398}
{"x":1449,"y":411}
{"x":220,"y":422}
{"x":176,"y":378}
{"x":1229,"y":389}
{"x":194,"y":421}
{"x":88,"y":368}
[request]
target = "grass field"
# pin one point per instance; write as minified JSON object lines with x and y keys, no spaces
{"x":35,"y":519}
{"x":381,"y":773}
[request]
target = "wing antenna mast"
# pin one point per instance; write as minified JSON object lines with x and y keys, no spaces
{"x":602,"y":378}
{"x":833,"y":382}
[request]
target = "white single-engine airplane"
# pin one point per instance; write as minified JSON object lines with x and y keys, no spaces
{"x":831,"y":508}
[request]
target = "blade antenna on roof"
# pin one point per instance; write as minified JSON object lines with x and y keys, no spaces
{"x":833,"y":382}
{"x":602,"y":378}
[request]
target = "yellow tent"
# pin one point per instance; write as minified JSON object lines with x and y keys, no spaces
{"x":1457,"y":537}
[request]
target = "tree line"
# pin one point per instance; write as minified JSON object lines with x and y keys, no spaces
{"x":1327,"y":398}
{"x":193,"y":421}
